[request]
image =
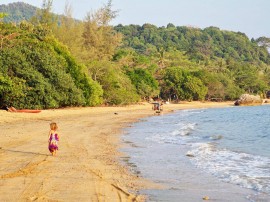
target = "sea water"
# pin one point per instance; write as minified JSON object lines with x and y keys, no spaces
{"x":191,"y":151}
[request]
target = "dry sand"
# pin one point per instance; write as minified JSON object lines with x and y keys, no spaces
{"x":87,"y":166}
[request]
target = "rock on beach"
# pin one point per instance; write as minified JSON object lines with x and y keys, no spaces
{"x":247,"y":99}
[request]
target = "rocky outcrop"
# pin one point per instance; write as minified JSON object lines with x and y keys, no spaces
{"x":247,"y":99}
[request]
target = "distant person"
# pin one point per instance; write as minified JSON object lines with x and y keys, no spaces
{"x":161,"y":106}
{"x":156,"y":106}
{"x":53,"y":138}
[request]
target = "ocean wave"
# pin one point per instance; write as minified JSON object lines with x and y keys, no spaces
{"x":189,"y":112}
{"x":179,"y":135}
{"x":161,"y":139}
{"x":246,"y":170}
{"x":184,"y":130}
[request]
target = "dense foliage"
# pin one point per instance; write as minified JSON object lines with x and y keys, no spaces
{"x":199,"y":44}
{"x":223,"y":64}
{"x":37,"y":71}
{"x":54,"y":62}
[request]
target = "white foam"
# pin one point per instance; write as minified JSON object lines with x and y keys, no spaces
{"x":243,"y":169}
{"x":161,"y":139}
{"x":185,"y":129}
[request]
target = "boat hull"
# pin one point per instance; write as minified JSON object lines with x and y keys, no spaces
{"x":28,"y":110}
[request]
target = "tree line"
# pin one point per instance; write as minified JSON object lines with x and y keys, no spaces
{"x":52,"y":61}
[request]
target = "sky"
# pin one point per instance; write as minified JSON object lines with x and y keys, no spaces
{"x":248,"y":16}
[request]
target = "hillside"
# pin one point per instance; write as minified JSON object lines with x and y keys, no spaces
{"x":18,"y":11}
{"x":199,"y":44}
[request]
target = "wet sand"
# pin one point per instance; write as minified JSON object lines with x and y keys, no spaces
{"x":88,"y":164}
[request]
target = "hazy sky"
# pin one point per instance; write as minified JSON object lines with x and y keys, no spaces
{"x":248,"y":16}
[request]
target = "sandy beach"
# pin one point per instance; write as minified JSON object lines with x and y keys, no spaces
{"x":88,"y":164}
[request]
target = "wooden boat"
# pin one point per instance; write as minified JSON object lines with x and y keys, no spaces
{"x":28,"y":110}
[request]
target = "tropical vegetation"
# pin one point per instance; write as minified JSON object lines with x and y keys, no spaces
{"x":52,"y":61}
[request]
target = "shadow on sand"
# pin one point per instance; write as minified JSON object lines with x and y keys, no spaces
{"x":24,"y":152}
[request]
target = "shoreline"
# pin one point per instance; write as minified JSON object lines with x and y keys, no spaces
{"x":177,"y":152}
{"x":87,"y":166}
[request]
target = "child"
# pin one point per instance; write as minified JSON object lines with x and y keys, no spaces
{"x":53,"y":139}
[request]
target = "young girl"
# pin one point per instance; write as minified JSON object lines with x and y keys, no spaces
{"x":53,"y":139}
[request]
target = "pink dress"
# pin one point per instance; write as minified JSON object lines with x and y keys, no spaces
{"x":53,"y":144}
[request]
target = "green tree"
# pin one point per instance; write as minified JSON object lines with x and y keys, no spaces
{"x":41,"y":73}
{"x":118,"y":89}
{"x":181,"y":84}
{"x":194,"y":89}
{"x":144,"y":82}
{"x":2,"y":15}
{"x":44,"y":16}
{"x":99,"y":38}
{"x":70,"y":32}
{"x":10,"y":89}
{"x":263,"y":41}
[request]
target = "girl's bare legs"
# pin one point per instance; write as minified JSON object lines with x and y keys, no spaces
{"x":54,"y":153}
